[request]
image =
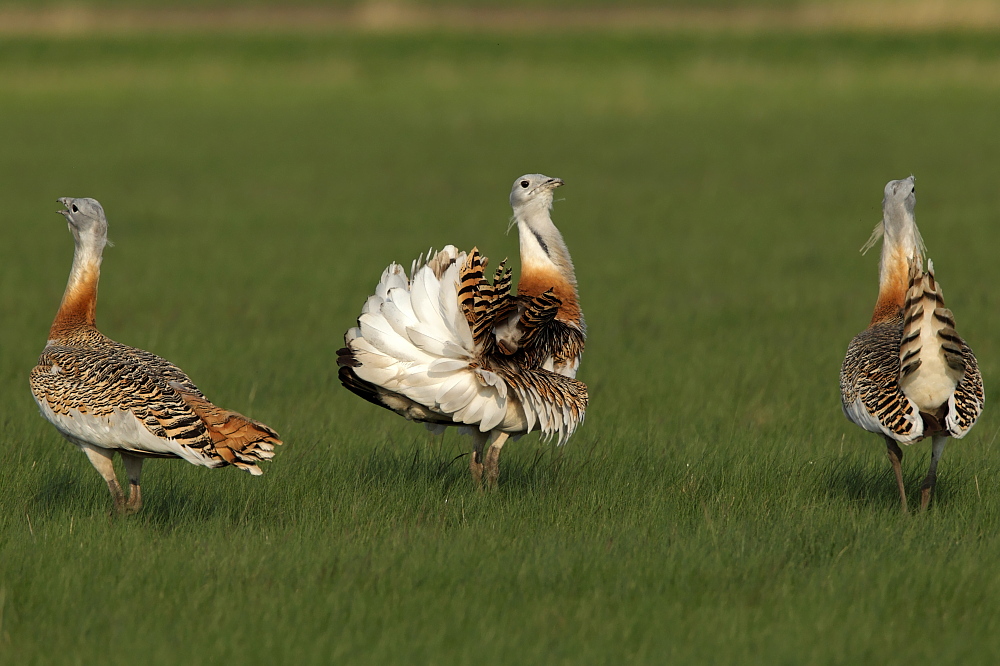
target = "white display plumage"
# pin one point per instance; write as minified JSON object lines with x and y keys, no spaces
{"x":443,"y":346}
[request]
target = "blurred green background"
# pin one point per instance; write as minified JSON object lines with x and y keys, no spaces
{"x":715,"y":507}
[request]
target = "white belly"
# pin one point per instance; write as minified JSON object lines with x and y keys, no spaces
{"x":118,"y":430}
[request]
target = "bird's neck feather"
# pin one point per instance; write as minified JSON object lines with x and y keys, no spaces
{"x":79,"y":302}
{"x":546,"y":263}
{"x":901,"y":243}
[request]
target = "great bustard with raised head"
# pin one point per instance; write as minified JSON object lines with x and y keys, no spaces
{"x":909,"y":375}
{"x":106,"y":397}
{"x":445,"y":347}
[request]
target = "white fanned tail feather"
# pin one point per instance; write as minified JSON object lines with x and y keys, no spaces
{"x":413,"y":340}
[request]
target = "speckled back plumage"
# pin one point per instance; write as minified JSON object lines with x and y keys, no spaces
{"x":870,"y":375}
{"x":90,"y":374}
{"x":870,"y":379}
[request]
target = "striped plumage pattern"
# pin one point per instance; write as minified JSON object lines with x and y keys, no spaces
{"x":938,"y":372}
{"x":880,"y":378}
{"x":484,"y":303}
{"x":869,"y":383}
{"x":86,"y":374}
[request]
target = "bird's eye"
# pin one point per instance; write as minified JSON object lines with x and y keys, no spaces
{"x":75,"y":209}
{"x":524,"y":183}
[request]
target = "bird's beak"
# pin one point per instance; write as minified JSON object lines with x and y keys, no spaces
{"x":65,"y":202}
{"x":553,"y":183}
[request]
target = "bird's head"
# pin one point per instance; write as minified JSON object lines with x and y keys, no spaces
{"x":86,"y":219}
{"x":899,"y":226}
{"x":532,"y":191}
{"x":900,"y":195}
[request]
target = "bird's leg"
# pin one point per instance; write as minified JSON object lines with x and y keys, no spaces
{"x":896,"y":458}
{"x":133,"y":467}
{"x":476,"y":458}
{"x":103,"y":462}
{"x":497,"y":440}
{"x":927,"y":487}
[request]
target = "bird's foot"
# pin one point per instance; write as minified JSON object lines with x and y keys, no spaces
{"x":134,"y":503}
{"x":926,"y":491}
{"x":492,"y":473}
{"x":925,"y":499}
{"x":117,"y":499}
{"x":476,"y":467}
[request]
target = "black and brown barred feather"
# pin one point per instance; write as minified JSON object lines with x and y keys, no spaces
{"x":871,"y":374}
{"x":559,"y":401}
{"x":91,"y":374}
{"x":882,"y":359}
{"x":969,"y":394}
{"x":484,"y":304}
{"x":541,"y":336}
{"x":539,"y":312}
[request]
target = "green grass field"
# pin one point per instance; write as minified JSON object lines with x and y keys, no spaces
{"x":716,"y":507}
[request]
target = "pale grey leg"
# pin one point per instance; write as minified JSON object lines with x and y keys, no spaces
{"x":497,"y":440}
{"x":133,"y":467}
{"x":103,"y":462}
{"x":896,"y":458}
{"x":927,"y":487}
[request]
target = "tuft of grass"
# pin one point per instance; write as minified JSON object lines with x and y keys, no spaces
{"x":715,"y":507}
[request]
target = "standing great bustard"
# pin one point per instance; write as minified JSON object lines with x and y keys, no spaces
{"x":909,"y":375}
{"x":445,"y":347}
{"x":106,"y":397}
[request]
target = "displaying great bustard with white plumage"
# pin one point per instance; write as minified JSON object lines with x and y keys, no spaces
{"x":106,"y":397}
{"x":909,"y":375}
{"x":445,"y":347}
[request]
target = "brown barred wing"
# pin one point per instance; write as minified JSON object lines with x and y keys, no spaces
{"x":484,"y":304}
{"x":869,"y":384}
{"x":90,"y":382}
{"x":95,"y":341}
{"x":967,"y":403}
{"x":539,"y":312}
{"x":567,"y":342}
{"x":159,"y":366}
{"x":80,"y":382}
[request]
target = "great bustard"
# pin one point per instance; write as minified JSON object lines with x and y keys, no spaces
{"x":909,"y":375}
{"x":106,"y":397}
{"x":446,"y":347}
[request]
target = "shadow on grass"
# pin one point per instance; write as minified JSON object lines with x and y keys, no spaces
{"x":448,"y":466}
{"x":871,"y":486}
{"x":58,"y":492}
{"x":169,"y":505}
{"x":172,"y":506}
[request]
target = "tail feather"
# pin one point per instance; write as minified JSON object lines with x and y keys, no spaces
{"x":930,"y":352}
{"x":420,"y":351}
{"x":413,"y":350}
{"x":556,"y":401}
{"x":237,"y":439}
